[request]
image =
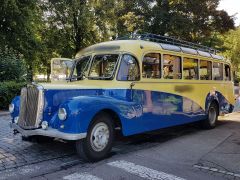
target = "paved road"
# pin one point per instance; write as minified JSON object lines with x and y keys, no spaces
{"x":184,"y":152}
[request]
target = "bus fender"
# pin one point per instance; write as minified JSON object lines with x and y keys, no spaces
{"x":81,"y":111}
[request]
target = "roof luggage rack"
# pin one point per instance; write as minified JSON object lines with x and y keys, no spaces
{"x":169,"y":40}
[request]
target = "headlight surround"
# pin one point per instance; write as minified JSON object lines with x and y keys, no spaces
{"x":62,"y":114}
{"x":11,"y":108}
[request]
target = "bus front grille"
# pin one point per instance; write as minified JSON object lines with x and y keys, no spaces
{"x":31,"y":105}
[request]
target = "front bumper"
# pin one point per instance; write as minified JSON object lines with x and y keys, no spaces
{"x":50,"y":132}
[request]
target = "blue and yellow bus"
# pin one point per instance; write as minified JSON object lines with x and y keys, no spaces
{"x":137,"y":85}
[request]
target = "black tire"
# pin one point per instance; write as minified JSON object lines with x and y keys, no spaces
{"x":211,"y":121}
{"x":28,"y":139}
{"x":86,"y":148}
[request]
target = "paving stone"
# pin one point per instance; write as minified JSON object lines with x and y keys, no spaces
{"x":14,"y":152}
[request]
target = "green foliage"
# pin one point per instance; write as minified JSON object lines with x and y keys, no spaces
{"x":11,"y":66}
{"x":232,"y":48}
{"x":73,"y":21}
{"x":12,"y":76}
{"x":8,"y":90}
{"x":18,"y":23}
{"x":132,"y":22}
{"x":67,"y":27}
{"x":193,"y":20}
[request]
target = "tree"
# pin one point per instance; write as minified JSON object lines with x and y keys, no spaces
{"x":116,"y":18}
{"x":18,"y":21}
{"x":12,"y":67}
{"x":232,"y":48}
{"x":73,"y":21}
{"x":131,"y":16}
{"x":193,"y":20}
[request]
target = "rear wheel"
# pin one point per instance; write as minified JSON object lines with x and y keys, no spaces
{"x":213,"y":113}
{"x":98,"y":143}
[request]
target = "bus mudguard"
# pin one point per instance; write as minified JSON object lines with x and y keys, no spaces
{"x":81,"y":111}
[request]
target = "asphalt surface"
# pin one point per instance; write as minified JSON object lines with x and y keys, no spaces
{"x":184,"y":152}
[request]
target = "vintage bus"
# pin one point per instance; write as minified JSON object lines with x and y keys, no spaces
{"x":135,"y":85}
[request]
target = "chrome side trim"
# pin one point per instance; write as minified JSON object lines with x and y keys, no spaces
{"x":50,"y":132}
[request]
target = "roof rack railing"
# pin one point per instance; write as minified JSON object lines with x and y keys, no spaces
{"x":169,"y":40}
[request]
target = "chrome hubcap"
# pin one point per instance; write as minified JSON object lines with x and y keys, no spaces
{"x":99,"y":136}
{"x":212,"y":115}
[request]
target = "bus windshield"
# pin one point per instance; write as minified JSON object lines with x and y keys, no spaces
{"x":81,"y":67}
{"x":103,"y":66}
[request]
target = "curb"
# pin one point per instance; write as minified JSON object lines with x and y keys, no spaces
{"x":4,"y":113}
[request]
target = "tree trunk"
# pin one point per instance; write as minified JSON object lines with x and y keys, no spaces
{"x":48,"y":73}
{"x":30,"y":73}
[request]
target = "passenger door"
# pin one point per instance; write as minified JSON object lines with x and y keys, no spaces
{"x":128,"y":77}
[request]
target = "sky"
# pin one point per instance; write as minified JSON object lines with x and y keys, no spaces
{"x":232,"y":7}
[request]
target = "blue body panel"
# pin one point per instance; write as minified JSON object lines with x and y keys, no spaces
{"x":224,"y":106}
{"x":138,"y":110}
{"x":16,"y":102}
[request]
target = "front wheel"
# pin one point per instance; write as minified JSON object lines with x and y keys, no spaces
{"x":98,"y":143}
{"x":211,"y":121}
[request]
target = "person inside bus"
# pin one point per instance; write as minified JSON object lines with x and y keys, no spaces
{"x":151,"y":65}
{"x":171,"y":67}
{"x":168,"y":71}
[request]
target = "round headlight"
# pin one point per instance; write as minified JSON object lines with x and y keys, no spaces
{"x":11,"y":108}
{"x":16,"y":120}
{"x":44,"y":125}
{"x":62,"y":114}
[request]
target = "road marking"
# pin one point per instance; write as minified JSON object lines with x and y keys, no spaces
{"x":81,"y":176}
{"x":143,"y":172}
{"x":217,"y":170}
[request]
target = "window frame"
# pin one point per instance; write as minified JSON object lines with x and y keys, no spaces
{"x":207,"y":60}
{"x":119,"y":66}
{"x":230,"y":72}
{"x":114,"y":70}
{"x":181,"y":65}
{"x":198,"y":68}
{"x":221,"y":63}
{"x":75,"y":62}
{"x":160,"y":68}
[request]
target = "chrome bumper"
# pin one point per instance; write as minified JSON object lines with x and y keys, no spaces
{"x":50,"y":132}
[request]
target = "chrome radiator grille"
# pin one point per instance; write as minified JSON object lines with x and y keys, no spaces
{"x":31,"y":107}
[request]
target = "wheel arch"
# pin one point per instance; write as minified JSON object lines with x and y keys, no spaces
{"x":115,"y":117}
{"x":214,"y":101}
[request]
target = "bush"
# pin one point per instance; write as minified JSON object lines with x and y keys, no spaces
{"x":236,"y":80}
{"x":8,"y":90}
{"x":12,"y":66}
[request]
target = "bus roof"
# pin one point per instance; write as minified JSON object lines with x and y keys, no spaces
{"x":136,"y":45}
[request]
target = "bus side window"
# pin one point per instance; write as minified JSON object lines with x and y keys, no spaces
{"x":172,"y":67}
{"x":217,"y":71}
{"x":190,"y":68}
{"x":227,"y":73}
{"x":205,"y":70}
{"x":151,"y":66}
{"x":129,"y":69}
